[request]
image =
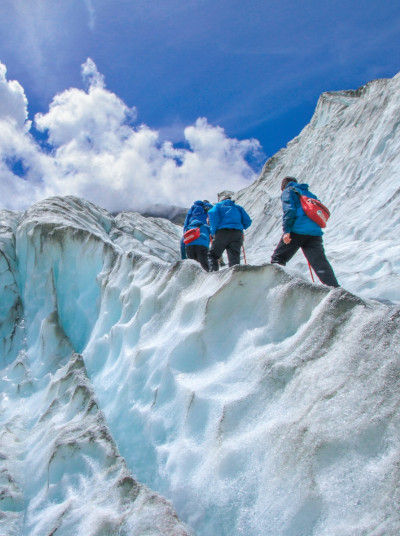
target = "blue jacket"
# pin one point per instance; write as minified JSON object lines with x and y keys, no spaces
{"x":196,"y":212}
{"x":294,"y":217}
{"x":204,"y":238}
{"x":227,"y":215}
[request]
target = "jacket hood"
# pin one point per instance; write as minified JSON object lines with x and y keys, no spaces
{"x":303,"y":188}
{"x":202,"y":204}
{"x":227,"y":202}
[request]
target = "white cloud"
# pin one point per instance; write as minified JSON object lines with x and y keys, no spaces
{"x":13,"y":102}
{"x":99,"y":155}
{"x":19,"y":149}
{"x":91,"y":13}
{"x":91,"y":75}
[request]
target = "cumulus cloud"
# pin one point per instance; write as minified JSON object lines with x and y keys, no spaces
{"x":13,"y":102}
{"x":99,"y":154}
{"x":96,"y":118}
{"x":91,"y":75}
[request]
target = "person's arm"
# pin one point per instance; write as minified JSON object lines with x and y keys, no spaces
{"x":187,"y":219}
{"x":208,"y":232}
{"x":183,"y":249}
{"x":246,"y":220}
{"x":213,"y":216}
{"x":289,"y":210}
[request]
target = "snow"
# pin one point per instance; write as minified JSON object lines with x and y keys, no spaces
{"x":280,"y":401}
{"x":141,"y":395}
{"x":61,"y":469}
{"x":349,"y":154}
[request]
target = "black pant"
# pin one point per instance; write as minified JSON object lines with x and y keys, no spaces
{"x":313,"y":250}
{"x":230,"y":240}
{"x":199,"y":254}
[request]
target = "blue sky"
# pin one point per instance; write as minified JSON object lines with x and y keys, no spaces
{"x":254,"y":68}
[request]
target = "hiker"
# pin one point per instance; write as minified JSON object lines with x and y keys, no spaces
{"x":299,"y":231}
{"x":227,"y":223}
{"x":198,"y":248}
{"x":196,"y":218}
{"x":198,"y":211}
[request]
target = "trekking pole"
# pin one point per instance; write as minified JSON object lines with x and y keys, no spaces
{"x":309,"y":265}
{"x":244,"y":255}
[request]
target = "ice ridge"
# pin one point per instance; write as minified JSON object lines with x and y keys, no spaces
{"x":349,"y":154}
{"x":60,"y":469}
{"x":255,"y":402}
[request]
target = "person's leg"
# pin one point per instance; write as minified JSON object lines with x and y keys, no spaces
{"x":191,"y":252}
{"x":234,"y":245}
{"x":314,"y":251}
{"x":199,"y":254}
{"x":202,"y":257}
{"x":183,"y":249}
{"x":284,"y":252}
{"x":217,"y":248}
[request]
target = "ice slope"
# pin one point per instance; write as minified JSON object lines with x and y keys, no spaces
{"x":60,"y":469}
{"x":349,"y":154}
{"x":268,"y":406}
{"x":257,"y":403}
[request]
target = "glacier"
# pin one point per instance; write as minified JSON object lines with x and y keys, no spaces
{"x":349,"y":154}
{"x":143,"y":396}
{"x":61,"y":470}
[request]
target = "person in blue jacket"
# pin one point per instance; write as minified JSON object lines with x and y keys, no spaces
{"x":198,"y":211}
{"x":198,"y":249}
{"x":227,"y":223}
{"x":299,"y":231}
{"x":197,"y":217}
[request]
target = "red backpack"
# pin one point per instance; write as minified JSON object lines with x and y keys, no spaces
{"x":314,"y":209}
{"x":191,"y":235}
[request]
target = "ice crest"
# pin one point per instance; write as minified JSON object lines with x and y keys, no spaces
{"x":61,"y":469}
{"x":349,"y":154}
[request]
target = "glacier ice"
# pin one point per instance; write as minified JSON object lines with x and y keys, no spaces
{"x":61,"y":470}
{"x":280,"y":402}
{"x":255,"y":402}
{"x":349,"y":154}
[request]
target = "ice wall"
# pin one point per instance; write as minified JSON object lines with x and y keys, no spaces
{"x":349,"y":154}
{"x":267,"y":406}
{"x":257,"y":403}
{"x":60,"y":469}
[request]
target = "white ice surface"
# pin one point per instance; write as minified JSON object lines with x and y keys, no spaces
{"x":60,"y":469}
{"x":267,"y":405}
{"x":349,"y":154}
